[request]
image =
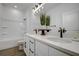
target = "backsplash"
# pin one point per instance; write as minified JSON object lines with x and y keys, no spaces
{"x":72,"y":34}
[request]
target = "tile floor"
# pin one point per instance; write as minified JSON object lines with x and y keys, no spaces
{"x":12,"y":52}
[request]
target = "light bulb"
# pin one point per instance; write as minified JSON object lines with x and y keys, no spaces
{"x":36,"y":11}
{"x":42,"y":7}
{"x":39,"y":9}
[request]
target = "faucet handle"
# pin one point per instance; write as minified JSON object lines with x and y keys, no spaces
{"x":64,"y":30}
{"x":59,"y":29}
{"x":35,"y":30}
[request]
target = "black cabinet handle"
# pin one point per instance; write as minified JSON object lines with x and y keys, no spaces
{"x":31,"y":51}
{"x":25,"y":44}
{"x":31,"y":42}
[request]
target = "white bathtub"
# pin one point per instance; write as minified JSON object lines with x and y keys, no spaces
{"x":8,"y":43}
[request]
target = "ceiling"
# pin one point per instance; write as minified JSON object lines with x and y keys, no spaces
{"x":28,"y":6}
{"x":49,"y":6}
{"x":20,"y":6}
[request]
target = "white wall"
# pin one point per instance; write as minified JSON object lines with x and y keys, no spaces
{"x":32,"y":21}
{"x":56,"y":15}
{"x":11,"y":27}
{"x":12,"y":19}
{"x":0,"y":12}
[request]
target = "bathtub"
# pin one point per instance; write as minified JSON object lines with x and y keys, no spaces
{"x":6,"y":43}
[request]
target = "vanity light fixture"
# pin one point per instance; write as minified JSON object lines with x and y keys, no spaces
{"x":37,"y":7}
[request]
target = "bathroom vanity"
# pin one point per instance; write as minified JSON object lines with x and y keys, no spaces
{"x":37,"y":45}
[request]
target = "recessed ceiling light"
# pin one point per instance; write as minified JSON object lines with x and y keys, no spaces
{"x":15,"y":6}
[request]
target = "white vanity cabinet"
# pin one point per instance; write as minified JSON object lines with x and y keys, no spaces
{"x":41,"y":49}
{"x":35,"y":47}
{"x":55,"y":52}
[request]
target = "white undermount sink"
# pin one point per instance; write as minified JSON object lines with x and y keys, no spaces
{"x":57,"y":39}
{"x":61,"y":40}
{"x":76,"y":40}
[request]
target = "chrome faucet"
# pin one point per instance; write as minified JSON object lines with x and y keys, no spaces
{"x":61,"y":30}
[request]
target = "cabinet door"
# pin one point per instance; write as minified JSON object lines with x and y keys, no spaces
{"x":26,"y":45}
{"x":54,"y":52}
{"x":41,"y":49}
{"x":31,"y":47}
